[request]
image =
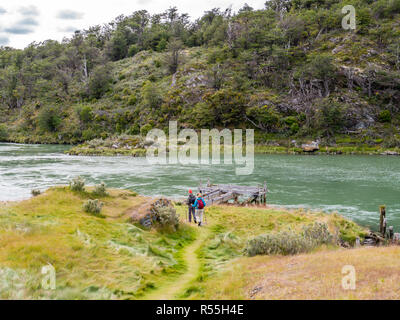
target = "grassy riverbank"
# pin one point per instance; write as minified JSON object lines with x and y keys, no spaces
{"x":95,"y":258}
{"x":136,"y":146}
{"x":109,"y":258}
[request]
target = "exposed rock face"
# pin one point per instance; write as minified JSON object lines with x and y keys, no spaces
{"x":311,"y":147}
{"x":390,"y":153}
{"x":159,"y":212}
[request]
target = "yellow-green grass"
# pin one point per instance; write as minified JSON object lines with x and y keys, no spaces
{"x":93,"y":257}
{"x":316,"y":275}
{"x":110,"y":258}
{"x":230,"y":227}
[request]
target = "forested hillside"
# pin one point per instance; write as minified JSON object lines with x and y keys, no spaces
{"x":289,"y":71}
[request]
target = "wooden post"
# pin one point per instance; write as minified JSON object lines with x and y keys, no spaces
{"x":382,"y":210}
{"x":391,"y":232}
{"x":265,"y":193}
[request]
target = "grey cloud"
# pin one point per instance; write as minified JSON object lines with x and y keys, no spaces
{"x":29,"y":11}
{"x":18,"y":30}
{"x":28,"y":22}
{"x":69,"y":15}
{"x":68,"y":29}
{"x":2,"y":11}
{"x":4,"y":41}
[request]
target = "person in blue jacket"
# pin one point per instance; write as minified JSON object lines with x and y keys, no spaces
{"x":199,"y":204}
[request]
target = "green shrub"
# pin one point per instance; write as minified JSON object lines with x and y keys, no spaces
{"x":289,"y":242}
{"x":290,"y":120}
{"x":93,"y":207}
{"x":133,"y":49}
{"x":100,"y":190}
{"x":100,"y":81}
{"x":145,"y":129}
{"x":132,"y":100}
{"x":88,"y":134}
{"x":294,"y":128}
{"x":35,"y":192}
{"x":77,"y":184}
{"x":167,"y":218}
{"x":3,"y":132}
{"x":85,"y":113}
{"x":151,"y":95}
{"x":385,"y":116}
{"x":48,"y":119}
{"x":318,"y":232}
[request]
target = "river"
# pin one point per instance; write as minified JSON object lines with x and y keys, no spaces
{"x":354,"y":186}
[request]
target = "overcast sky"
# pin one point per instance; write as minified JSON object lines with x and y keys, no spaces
{"x":25,"y":21}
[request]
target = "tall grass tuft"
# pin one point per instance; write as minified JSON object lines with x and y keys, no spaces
{"x":167,"y":218}
{"x":100,"y":190}
{"x":77,"y":184}
{"x":36,"y":192}
{"x":93,"y":207}
{"x":289,"y":242}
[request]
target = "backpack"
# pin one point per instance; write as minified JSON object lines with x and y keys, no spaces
{"x":192,"y":199}
{"x":200,"y":204}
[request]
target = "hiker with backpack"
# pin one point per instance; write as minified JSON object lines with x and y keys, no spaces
{"x":199,"y":204}
{"x":190,"y":202}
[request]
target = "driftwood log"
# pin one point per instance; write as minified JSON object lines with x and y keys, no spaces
{"x":222,"y":193}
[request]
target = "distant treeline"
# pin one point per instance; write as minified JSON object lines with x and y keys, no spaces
{"x":287,"y":70}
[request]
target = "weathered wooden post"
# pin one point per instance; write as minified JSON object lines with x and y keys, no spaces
{"x":265,"y":193}
{"x":391,"y":232}
{"x":382,"y":210}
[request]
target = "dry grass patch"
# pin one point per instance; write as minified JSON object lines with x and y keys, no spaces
{"x":309,"y":276}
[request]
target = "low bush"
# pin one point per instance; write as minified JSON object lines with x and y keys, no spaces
{"x":35,"y":192}
{"x":3,"y":132}
{"x":100,"y":190}
{"x":93,"y":207}
{"x":318,"y":232}
{"x":77,"y":184}
{"x":289,"y":242}
{"x":166,"y":218}
{"x":385,"y":116}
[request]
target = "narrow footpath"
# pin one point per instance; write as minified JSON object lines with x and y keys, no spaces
{"x":172,"y":289}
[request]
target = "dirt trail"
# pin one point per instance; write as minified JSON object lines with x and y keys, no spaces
{"x":171,"y":289}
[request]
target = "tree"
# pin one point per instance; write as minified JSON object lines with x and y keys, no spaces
{"x":49,"y":119}
{"x":226,"y":106}
{"x":100,"y":81}
{"x":151,"y":95}
{"x":279,"y":6}
{"x":117,"y":47}
{"x":316,"y":76}
{"x":173,"y":57}
{"x":265,"y":117}
{"x":330,"y":117}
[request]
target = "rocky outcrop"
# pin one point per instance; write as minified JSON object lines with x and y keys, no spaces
{"x":311,"y":147}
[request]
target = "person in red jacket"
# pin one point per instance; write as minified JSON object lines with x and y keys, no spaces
{"x":199,"y":204}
